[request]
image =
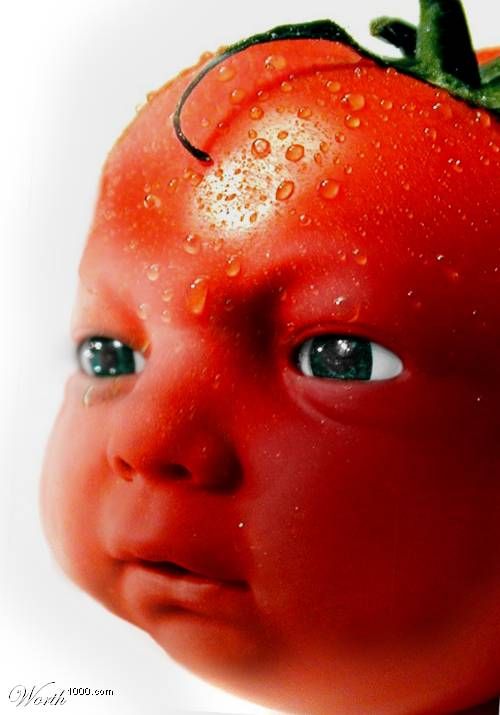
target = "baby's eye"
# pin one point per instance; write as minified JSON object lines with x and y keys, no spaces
{"x":106,"y":357}
{"x":345,"y":357}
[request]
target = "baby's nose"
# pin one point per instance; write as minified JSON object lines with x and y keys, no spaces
{"x":173,"y":425}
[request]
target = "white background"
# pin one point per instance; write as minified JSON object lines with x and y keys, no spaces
{"x":71,"y":75}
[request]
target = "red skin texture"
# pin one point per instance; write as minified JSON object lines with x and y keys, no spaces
{"x":361,"y":520}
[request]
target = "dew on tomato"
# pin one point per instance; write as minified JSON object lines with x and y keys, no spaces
{"x":144,"y":311}
{"x":275,"y":62}
{"x":192,"y":244}
{"x":225,"y":73}
{"x":153,"y":272}
{"x":355,"y":101}
{"x":167,"y":295}
{"x":261,"y":148}
{"x":304,"y":112}
{"x":233,"y":265}
{"x":196,"y":295}
{"x":237,"y":95}
{"x":329,"y":189}
{"x":295,"y":152}
{"x":256,"y":112}
{"x":285,"y":190}
{"x":151,"y":201}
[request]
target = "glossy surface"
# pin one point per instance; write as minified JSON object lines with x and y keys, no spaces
{"x":316,"y":544}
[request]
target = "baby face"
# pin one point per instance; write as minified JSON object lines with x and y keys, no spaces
{"x":279,"y":455}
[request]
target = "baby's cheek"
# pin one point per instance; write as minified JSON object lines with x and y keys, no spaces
{"x":74,"y":475}
{"x":375,"y":533}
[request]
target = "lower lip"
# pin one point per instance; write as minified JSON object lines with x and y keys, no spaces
{"x":155,"y":590}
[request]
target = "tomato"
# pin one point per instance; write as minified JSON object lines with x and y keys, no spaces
{"x":280,"y":454}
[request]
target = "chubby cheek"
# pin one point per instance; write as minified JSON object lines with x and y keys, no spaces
{"x":368,"y":536}
{"x":75,"y":474}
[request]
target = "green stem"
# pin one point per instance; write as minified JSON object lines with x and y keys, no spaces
{"x":396,"y":32}
{"x":438,"y":52}
{"x":444,"y":43}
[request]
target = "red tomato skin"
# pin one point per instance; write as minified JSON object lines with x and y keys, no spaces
{"x":364,"y":518}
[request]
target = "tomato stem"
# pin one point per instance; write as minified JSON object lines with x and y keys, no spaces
{"x":438,"y":52}
{"x":396,"y":32}
{"x":444,"y":44}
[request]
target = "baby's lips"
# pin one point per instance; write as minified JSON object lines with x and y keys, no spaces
{"x":214,"y":564}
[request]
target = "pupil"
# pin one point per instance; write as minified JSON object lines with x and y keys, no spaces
{"x":342,"y":358}
{"x":110,"y":357}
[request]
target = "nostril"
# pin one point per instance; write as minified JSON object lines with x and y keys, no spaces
{"x":122,"y":468}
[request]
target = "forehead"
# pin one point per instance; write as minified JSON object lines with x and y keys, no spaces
{"x":337,"y":175}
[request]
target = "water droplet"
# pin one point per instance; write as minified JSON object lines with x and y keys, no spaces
{"x":252,"y":133}
{"x":261,"y":148}
{"x":204,"y":122}
{"x":285,"y":190}
{"x":253,"y":217}
{"x":443,"y":109}
{"x":483,"y":119}
{"x":457,"y":165}
{"x":431,"y":133}
{"x":172,"y":184}
{"x":262,"y":95}
{"x":153,"y":272}
{"x":192,"y":244}
{"x":285,"y":87}
{"x":87,"y":396}
{"x":282,"y":134}
{"x":295,"y":152}
{"x":333,"y":86}
{"x":233,"y":266}
{"x":256,"y":112}
{"x":386,"y":103}
{"x":196,"y":297}
{"x":324,"y":147}
{"x":352,"y":122}
{"x":217,"y":243}
{"x":360,"y":257}
{"x":305,"y":220}
{"x":165,"y":316}
{"x":194,"y":178}
{"x":347,"y":169}
{"x":225,"y":73}
{"x":355,"y":101}
{"x":241,"y":525}
{"x":143,"y":311}
{"x":452,"y":274}
{"x":167,"y":295}
{"x":329,"y":188}
{"x":275,"y":62}
{"x":151,"y":201}
{"x":339,"y":137}
{"x":304,"y":112}
{"x":237,"y":96}
{"x":318,"y":158}
{"x":440,"y":257}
